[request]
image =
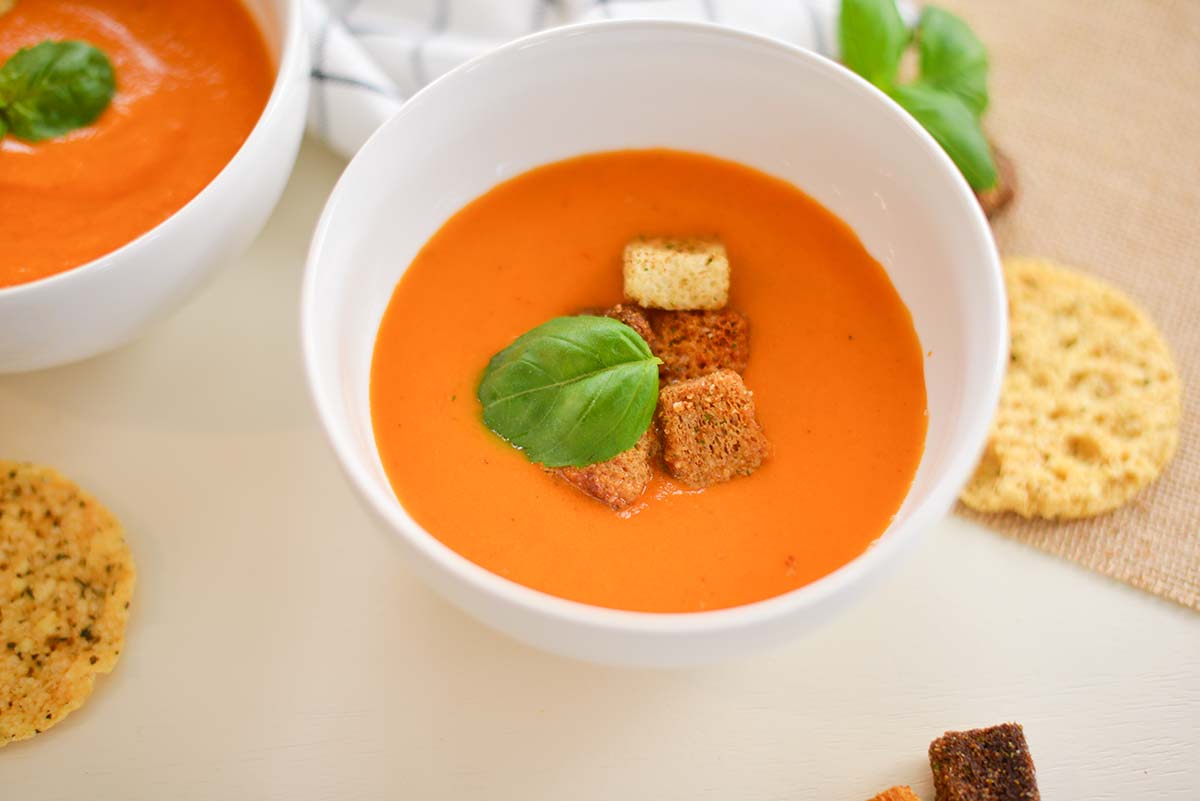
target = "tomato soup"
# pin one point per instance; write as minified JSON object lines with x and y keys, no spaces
{"x":193,"y":77}
{"x":835,"y":366}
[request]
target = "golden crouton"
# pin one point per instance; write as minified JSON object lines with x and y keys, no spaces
{"x":899,"y":793}
{"x":709,"y":431}
{"x":622,"y":479}
{"x":677,"y":273}
{"x":696,"y":343}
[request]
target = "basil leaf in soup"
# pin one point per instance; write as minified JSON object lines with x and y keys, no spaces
{"x":53,"y":88}
{"x":572,"y":392}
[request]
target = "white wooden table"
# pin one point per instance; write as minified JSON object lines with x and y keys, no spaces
{"x":279,"y":649}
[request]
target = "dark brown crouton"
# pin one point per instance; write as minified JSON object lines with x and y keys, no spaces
{"x":696,"y":343}
{"x":996,"y":199}
{"x":622,"y":479}
{"x":709,"y":431}
{"x":634,"y":317}
{"x":983,"y":765}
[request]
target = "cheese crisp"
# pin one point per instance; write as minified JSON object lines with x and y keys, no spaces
{"x":1089,"y":413}
{"x":66,"y":578}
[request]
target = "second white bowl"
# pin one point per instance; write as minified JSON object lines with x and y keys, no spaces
{"x":109,"y":301}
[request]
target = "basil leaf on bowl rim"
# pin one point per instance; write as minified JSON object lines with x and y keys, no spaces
{"x":955,"y":128}
{"x":53,"y":88}
{"x":872,"y":37}
{"x":952,"y":58}
{"x":572,"y":392}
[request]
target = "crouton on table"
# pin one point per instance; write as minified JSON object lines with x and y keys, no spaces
{"x":696,"y":343}
{"x":709,"y":430}
{"x":677,"y":273}
{"x":898,"y":793}
{"x":998,"y":198}
{"x":990,"y":764}
{"x":622,"y":479}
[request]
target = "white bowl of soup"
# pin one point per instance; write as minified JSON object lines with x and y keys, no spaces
{"x":110,"y":227}
{"x":503,"y":195}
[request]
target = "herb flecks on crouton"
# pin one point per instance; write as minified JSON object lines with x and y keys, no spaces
{"x":695,"y":343}
{"x":677,"y":273}
{"x":622,"y":479}
{"x":990,"y":764}
{"x":709,"y":429}
{"x":635,"y":318}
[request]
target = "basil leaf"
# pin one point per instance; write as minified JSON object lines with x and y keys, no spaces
{"x":952,"y":58}
{"x":954,"y":126}
{"x":572,"y":392}
{"x":872,"y":37}
{"x":53,"y":88}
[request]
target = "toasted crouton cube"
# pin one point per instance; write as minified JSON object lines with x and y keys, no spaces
{"x":677,"y":273}
{"x":634,"y":317}
{"x":899,"y":793}
{"x":709,"y":430}
{"x":622,"y":479}
{"x":990,"y":764}
{"x":696,"y":343}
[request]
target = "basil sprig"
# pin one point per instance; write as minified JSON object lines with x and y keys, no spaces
{"x":949,"y":94}
{"x":572,"y":392}
{"x":53,"y":88}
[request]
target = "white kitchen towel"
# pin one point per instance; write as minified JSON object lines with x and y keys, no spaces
{"x":370,"y":55}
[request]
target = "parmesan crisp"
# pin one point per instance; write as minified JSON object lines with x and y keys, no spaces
{"x":1090,"y":409}
{"x":66,"y":579}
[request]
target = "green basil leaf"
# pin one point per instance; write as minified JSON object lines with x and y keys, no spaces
{"x":872,"y":37}
{"x":53,"y":88}
{"x":955,"y":128}
{"x":572,"y":392}
{"x":952,"y":58}
{"x":3,"y":124}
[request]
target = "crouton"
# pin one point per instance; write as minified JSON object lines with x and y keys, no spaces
{"x":995,"y":200}
{"x":709,"y":431}
{"x":899,"y":793}
{"x":622,"y":479}
{"x":696,"y":343}
{"x":634,"y":317}
{"x":991,"y":764}
{"x":677,"y":273}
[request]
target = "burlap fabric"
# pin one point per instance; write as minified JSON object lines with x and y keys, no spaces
{"x":1099,"y":106}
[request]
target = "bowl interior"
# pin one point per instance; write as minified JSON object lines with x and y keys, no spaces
{"x":632,"y":85}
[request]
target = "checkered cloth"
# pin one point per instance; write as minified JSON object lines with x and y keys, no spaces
{"x":370,"y":55}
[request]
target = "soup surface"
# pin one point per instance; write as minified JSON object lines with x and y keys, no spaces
{"x":835,"y":366}
{"x":193,"y":77}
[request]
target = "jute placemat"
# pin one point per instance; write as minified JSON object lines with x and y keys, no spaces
{"x":1099,"y":106}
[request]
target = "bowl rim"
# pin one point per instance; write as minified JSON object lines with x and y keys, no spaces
{"x":291,"y":53}
{"x":937,"y":502}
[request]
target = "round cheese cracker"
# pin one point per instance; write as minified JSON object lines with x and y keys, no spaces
{"x":66,"y":578}
{"x":1089,"y":413}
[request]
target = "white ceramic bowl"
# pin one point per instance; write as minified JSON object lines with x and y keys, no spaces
{"x":107,"y":302}
{"x":694,"y":87}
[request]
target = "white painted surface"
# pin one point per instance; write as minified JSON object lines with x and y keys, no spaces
{"x":279,"y":649}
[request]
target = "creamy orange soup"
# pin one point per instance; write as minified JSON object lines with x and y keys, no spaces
{"x":835,"y":367}
{"x":193,"y":77}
